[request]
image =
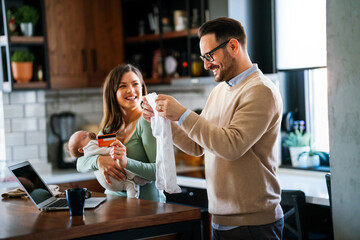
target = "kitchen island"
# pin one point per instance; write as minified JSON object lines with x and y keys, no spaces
{"x":116,"y":218}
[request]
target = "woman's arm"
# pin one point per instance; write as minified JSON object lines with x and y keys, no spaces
{"x":87,"y":164}
{"x":105,"y":164}
{"x":145,"y":170}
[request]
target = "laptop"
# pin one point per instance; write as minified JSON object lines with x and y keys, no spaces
{"x":40,"y":193}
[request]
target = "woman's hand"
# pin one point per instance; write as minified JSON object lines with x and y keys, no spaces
{"x":118,"y":153}
{"x":109,"y":167}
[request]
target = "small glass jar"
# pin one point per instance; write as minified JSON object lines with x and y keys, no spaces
{"x":39,"y":74}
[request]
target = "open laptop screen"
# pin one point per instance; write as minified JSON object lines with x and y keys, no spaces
{"x":32,"y":183}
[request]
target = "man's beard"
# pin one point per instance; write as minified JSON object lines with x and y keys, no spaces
{"x":228,"y":66}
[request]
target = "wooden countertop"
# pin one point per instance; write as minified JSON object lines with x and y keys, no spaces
{"x":20,"y":219}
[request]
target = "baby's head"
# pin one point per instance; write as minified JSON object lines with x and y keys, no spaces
{"x":79,"y":140}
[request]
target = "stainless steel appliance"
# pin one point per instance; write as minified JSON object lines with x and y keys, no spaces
{"x":63,"y":126}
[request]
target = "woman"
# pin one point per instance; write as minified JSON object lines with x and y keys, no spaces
{"x":123,"y":90}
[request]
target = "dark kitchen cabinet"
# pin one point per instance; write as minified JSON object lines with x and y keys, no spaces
{"x":11,"y":39}
{"x":160,"y":37}
{"x":85,"y":41}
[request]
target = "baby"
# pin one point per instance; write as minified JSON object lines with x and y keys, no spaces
{"x":83,"y":143}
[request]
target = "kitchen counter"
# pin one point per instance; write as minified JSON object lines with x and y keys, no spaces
{"x":312,"y":183}
{"x":116,"y":218}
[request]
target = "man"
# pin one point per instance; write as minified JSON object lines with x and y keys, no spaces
{"x":237,"y":131}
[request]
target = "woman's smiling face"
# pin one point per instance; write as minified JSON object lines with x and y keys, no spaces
{"x":129,"y":93}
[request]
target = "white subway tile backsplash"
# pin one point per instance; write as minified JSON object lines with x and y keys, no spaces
{"x":25,"y":152}
{"x":13,"y":111}
{"x":24,"y":124}
{"x":15,"y":139}
{"x":82,"y":108}
{"x":42,"y":124}
{"x":23,"y":97}
{"x":43,"y":151}
{"x":35,"y":110}
{"x":36,"y":138}
{"x":7,"y":125}
{"x":92,"y":91}
{"x":57,"y":108}
{"x":98,"y":106}
{"x":40,"y":96}
{"x":6,"y":98}
{"x":8,"y":154}
{"x":89,"y":118}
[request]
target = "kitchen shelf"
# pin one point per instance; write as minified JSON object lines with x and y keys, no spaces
{"x":144,"y":38}
{"x":161,"y":51}
{"x":11,"y":42}
{"x":27,"y":40}
{"x":168,"y":35}
{"x":179,"y":34}
{"x":30,"y":85}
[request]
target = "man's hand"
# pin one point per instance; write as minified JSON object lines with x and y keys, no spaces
{"x":168,"y":107}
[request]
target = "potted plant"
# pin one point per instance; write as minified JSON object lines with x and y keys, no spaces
{"x":310,"y":158}
{"x":298,"y":142}
{"x":27,"y":17}
{"x":22,"y":65}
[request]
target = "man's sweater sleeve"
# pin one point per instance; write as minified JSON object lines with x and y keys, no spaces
{"x":250,"y":120}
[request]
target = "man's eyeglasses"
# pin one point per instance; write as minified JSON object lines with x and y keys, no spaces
{"x":208,"y":56}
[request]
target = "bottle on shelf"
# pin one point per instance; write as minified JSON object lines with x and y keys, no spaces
{"x":39,"y":74}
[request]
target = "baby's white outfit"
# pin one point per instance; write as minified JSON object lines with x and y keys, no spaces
{"x":132,"y":182}
{"x":165,"y":157}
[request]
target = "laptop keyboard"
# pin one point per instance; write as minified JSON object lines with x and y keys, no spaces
{"x":59,"y":203}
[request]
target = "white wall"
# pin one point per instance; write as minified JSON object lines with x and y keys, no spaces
{"x":22,"y":129}
{"x":343,"y":58}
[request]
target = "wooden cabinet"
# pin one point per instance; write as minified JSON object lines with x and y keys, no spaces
{"x":85,"y":41}
{"x":12,"y":40}
{"x":162,"y":34}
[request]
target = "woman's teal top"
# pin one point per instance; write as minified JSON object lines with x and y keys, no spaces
{"x":141,"y":154}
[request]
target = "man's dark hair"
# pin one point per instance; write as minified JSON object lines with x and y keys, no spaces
{"x":224,"y":28}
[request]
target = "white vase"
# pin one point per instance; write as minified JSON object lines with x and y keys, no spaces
{"x":306,"y":161}
{"x":27,"y":29}
{"x":294,"y":154}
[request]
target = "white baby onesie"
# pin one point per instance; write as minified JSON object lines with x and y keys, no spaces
{"x":132,"y":182}
{"x":165,"y":160}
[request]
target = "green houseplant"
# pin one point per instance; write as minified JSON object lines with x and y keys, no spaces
{"x":27,"y":17}
{"x":22,"y":65}
{"x":298,"y":142}
{"x":301,"y":152}
{"x":22,"y":56}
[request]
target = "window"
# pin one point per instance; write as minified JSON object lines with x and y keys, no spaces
{"x":316,"y":104}
{"x":301,"y":57}
{"x":300,"y":34}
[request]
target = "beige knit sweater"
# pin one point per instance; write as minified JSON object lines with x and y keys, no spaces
{"x":238,"y":132}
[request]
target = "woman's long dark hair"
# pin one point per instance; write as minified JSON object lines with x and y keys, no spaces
{"x":112,"y":119}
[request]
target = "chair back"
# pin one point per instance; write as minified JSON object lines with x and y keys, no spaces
{"x":328,"y":185}
{"x":293,"y":203}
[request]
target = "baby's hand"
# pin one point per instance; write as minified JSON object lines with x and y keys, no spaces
{"x":118,"y":152}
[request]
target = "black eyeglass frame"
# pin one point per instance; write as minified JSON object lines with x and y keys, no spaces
{"x":208,"y":56}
